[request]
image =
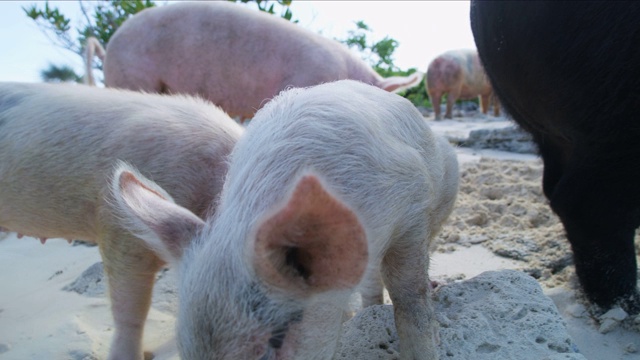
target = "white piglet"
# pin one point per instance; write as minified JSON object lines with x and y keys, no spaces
{"x":58,"y":147}
{"x":333,"y":189}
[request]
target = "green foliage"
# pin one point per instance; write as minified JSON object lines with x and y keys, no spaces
{"x":380,"y":56}
{"x":62,"y":73}
{"x":100,"y":19}
{"x":417,"y":94}
{"x":268,"y":7}
{"x":358,"y":37}
{"x":108,"y":17}
{"x":384,"y":49}
{"x":51,"y":20}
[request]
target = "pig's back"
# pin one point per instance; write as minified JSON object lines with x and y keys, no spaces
{"x":236,"y":57}
{"x":384,"y":162}
{"x":59,"y":143}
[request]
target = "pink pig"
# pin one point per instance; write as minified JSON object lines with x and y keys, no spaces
{"x":59,"y":145}
{"x":333,"y":190}
{"x":459,"y":74}
{"x":236,"y":57}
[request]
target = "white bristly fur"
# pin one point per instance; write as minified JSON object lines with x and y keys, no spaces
{"x":371,"y":151}
{"x":58,"y":148}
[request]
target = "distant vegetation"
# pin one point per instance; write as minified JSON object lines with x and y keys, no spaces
{"x":62,"y":73}
{"x":379,"y":55}
{"x":100,"y":20}
{"x":268,"y":7}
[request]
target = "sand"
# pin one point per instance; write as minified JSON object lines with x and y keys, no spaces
{"x":501,"y":209}
{"x":52,"y":303}
{"x":500,"y":206}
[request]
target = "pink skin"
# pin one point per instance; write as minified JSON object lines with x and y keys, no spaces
{"x":42,"y":239}
{"x":76,"y":135}
{"x":235,"y":57}
{"x":460,"y":75}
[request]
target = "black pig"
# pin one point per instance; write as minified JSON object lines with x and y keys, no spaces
{"x":569,"y":73}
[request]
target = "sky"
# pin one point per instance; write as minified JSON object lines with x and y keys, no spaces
{"x":424,"y":29}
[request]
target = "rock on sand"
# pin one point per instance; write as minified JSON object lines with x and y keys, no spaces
{"x":498,"y":315}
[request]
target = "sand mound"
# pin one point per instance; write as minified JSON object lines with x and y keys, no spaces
{"x":501,"y":206}
{"x":497,"y":315}
{"x":501,"y":220}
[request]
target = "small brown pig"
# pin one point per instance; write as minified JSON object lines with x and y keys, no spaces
{"x":459,"y":74}
{"x":59,"y":145}
{"x":236,"y":57}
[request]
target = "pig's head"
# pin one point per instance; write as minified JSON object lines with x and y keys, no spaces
{"x":245,"y":281}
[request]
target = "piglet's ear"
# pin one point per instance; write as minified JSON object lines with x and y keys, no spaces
{"x":149,"y":212}
{"x":313,"y":243}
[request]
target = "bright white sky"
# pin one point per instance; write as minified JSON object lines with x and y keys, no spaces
{"x":424,"y":30}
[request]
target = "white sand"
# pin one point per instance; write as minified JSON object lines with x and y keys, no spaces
{"x":38,"y":320}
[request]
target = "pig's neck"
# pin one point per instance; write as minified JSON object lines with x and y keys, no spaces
{"x":229,"y":235}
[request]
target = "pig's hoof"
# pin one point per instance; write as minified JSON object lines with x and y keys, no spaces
{"x":148,"y":355}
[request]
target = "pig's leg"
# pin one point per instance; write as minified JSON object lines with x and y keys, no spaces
{"x":404,"y":271}
{"x":435,"y":102}
{"x":496,"y":105}
{"x":372,"y":290}
{"x":597,"y":203}
{"x":131,"y":270}
{"x":451,"y":100}
{"x":485,"y":101}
